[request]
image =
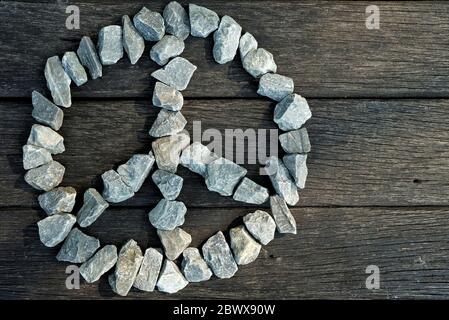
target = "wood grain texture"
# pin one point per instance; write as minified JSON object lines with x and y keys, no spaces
{"x":324,"y":46}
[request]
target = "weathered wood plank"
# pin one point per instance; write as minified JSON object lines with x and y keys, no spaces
{"x":327,"y":259}
{"x":324,"y":46}
{"x":365,"y":153}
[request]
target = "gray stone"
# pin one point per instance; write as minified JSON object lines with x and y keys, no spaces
{"x":259,"y":62}
{"x":54,"y":229}
{"x":45,"y":137}
{"x":196,"y":157}
{"x":115,"y":190}
{"x":35,"y":156}
{"x":150,"y":24}
{"x":128,"y":265}
{"x":93,"y":206}
{"x":261,"y":225}
{"x":244,"y":247}
{"x":176,"y":20}
{"x":226,"y":40}
{"x":171,"y":279}
{"x":58,"y":82}
{"x":73,"y":68}
{"x":58,"y":200}
{"x":136,"y":170}
{"x":78,"y":247}
{"x":167,"y":48}
{"x":275,"y":86}
{"x":166,"y":97}
{"x":148,"y":274}
{"x":44,"y":111}
{"x":100,"y":263}
{"x":292,"y":112}
{"x":202,"y":21}
{"x":45,"y":177}
{"x":194,"y":267}
{"x":110,"y":47}
{"x":133,"y":42}
{"x":250,"y":192}
{"x":167,"y":150}
{"x":168,"y":183}
{"x":89,"y":58}
{"x":281,"y":180}
{"x":174,"y":242}
{"x":285,"y":222}
{"x":177,"y":73}
{"x":296,"y":141}
{"x":217,"y":254}
{"x":167,"y":215}
{"x":297,"y":166}
{"x":247,"y":43}
{"x":168,"y":123}
{"x":222,"y":175}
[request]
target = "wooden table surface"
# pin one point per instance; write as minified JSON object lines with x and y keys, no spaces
{"x":378,"y":185}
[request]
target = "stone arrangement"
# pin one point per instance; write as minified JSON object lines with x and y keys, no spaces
{"x":156,"y":268}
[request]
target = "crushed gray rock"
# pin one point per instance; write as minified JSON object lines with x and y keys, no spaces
{"x":88,"y":57}
{"x":218,"y":256}
{"x":58,"y":200}
{"x":261,"y":226}
{"x":281,"y":180}
{"x":222,"y":175}
{"x":174,"y":242}
{"x":168,"y":183}
{"x":115,"y":190}
{"x":202,"y":21}
{"x":247,"y":43}
{"x":196,"y":157}
{"x":194,"y":267}
{"x":136,"y":170}
{"x":72,"y":66}
{"x":93,"y":206}
{"x":244,"y":247}
{"x":176,"y":20}
{"x":226,"y":40}
{"x":292,"y":112}
{"x":275,"y":86}
{"x":167,"y":123}
{"x":297,"y":166}
{"x":150,"y":24}
{"x":110,"y":47}
{"x":45,"y":137}
{"x":171,"y":279}
{"x":54,"y":229}
{"x":296,"y":141}
{"x":35,"y":156}
{"x":46,"y":112}
{"x":167,"y":97}
{"x":259,"y":62}
{"x":58,"y":82}
{"x":78,"y":247}
{"x":167,"y":150}
{"x":100,"y":263}
{"x":177,"y":73}
{"x":148,"y":274}
{"x":167,"y":215}
{"x":250,"y":192}
{"x":45,"y":177}
{"x":285,"y":222}
{"x":167,"y":48}
{"x":133,"y":42}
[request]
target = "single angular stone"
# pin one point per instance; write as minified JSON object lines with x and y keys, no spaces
{"x":177,"y":73}
{"x":166,"y":97}
{"x":148,"y":274}
{"x":45,"y":177}
{"x":261,"y":226}
{"x":78,"y":247}
{"x":247,"y":43}
{"x":89,"y":58}
{"x":93,"y":206}
{"x":110,"y":47}
{"x":296,"y":141}
{"x":133,"y":42}
{"x":297,"y":166}
{"x":35,"y":156}
{"x":250,"y":192}
{"x":115,"y":190}
{"x":285,"y":222}
{"x":176,"y":20}
{"x":167,"y":150}
{"x":222,"y":175}
{"x":259,"y":62}
{"x":100,"y":263}
{"x":275,"y":86}
{"x":217,"y":254}
{"x":196,"y":157}
{"x":150,"y":24}
{"x":128,"y":265}
{"x":244,"y":247}
{"x":194,"y":267}
{"x":167,"y":48}
{"x":58,"y":200}
{"x":168,"y":183}
{"x":281,"y":180}
{"x":167,"y":215}
{"x":73,"y":68}
{"x":44,"y":111}
{"x":168,"y":123}
{"x":292,"y":112}
{"x":58,"y":82}
{"x":174,"y":242}
{"x":54,"y":229}
{"x":45,"y":137}
{"x":202,"y":21}
{"x":226,"y":40}
{"x":171,"y":279}
{"x":136,"y":170}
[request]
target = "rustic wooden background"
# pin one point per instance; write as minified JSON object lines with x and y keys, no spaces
{"x":378,"y":182}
